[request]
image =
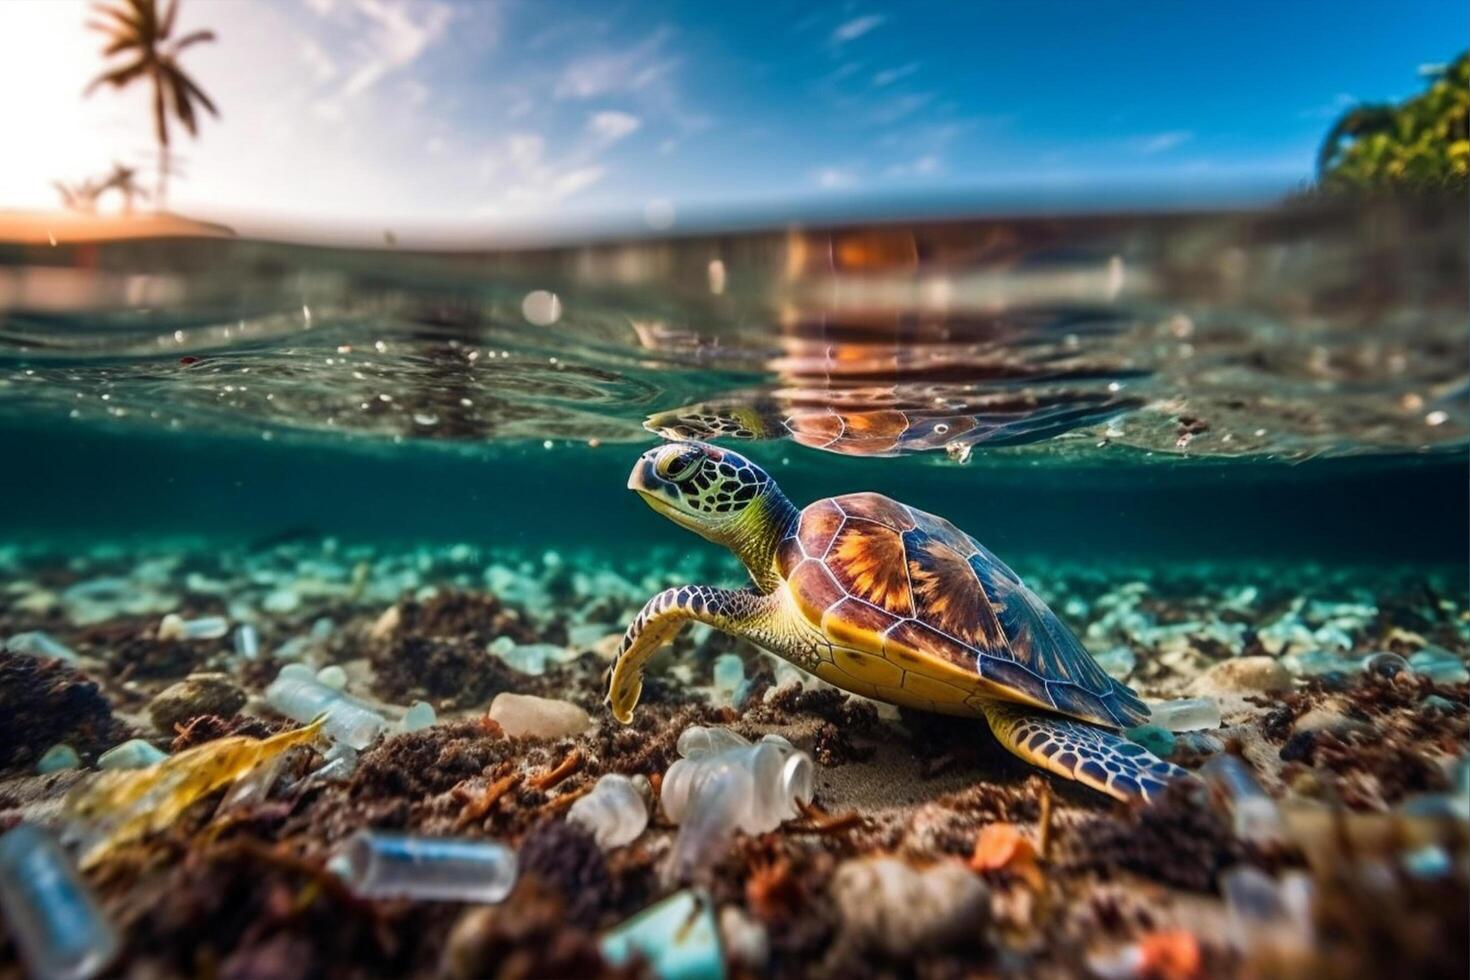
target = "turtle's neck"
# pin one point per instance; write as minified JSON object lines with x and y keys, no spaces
{"x":768,"y":519}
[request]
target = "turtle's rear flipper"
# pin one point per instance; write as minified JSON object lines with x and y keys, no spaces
{"x":1093,"y":756}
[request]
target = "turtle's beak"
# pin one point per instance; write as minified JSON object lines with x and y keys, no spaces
{"x":643,"y":479}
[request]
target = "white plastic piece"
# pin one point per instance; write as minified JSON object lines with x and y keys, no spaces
{"x":302,"y":699}
{"x":175,"y":627}
{"x":247,"y":641}
{"x":431,"y":869}
{"x":1186,"y":714}
{"x":723,"y":784}
{"x":333,"y":676}
{"x":38,"y":643}
{"x":614,"y":813}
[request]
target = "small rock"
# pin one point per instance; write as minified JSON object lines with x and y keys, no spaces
{"x":886,"y":902}
{"x":135,"y":753}
{"x":385,"y":625}
{"x":420,"y":715}
{"x":1156,"y":738}
{"x":1244,"y":674}
{"x":197,"y":694}
{"x":525,"y":714}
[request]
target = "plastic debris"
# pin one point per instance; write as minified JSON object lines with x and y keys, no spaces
{"x":38,"y":643}
{"x":1118,"y":662}
{"x":1266,"y":913}
{"x":1156,"y":738}
{"x":122,"y":806}
{"x":1316,"y":663}
{"x":1253,"y":812}
{"x":135,"y":753}
{"x":57,"y":758}
{"x":615,"y":812}
{"x":745,"y":940}
{"x":1169,"y":955}
{"x":527,"y":715}
{"x":431,"y":869}
{"x":1186,"y":714}
{"x":722,"y":784}
{"x":247,"y":641}
{"x":333,"y":676}
{"x":175,"y":627}
{"x":420,"y":715}
{"x":51,"y":916}
{"x":1440,"y":666}
{"x":1385,"y":665}
{"x":677,"y":937}
{"x":887,"y":903}
{"x":1002,"y":847}
{"x":298,"y":695}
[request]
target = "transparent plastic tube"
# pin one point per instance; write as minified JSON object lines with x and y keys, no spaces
{"x":1186,"y":714}
{"x":302,"y":698}
{"x":433,"y":869}
{"x":51,"y":916}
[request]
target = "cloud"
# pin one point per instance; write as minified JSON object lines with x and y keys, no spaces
{"x":834,"y":178}
{"x":397,"y":35}
{"x":923,"y":166}
{"x":610,"y":73}
{"x":890,"y":75}
{"x":853,"y":29}
{"x":612,"y":126}
{"x":1162,"y":142}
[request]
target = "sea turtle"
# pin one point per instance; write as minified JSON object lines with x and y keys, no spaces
{"x":892,"y":603}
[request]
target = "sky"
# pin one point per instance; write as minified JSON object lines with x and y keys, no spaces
{"x":367,"y":113}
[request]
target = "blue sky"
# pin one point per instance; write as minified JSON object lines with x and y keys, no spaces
{"x":361,"y":112}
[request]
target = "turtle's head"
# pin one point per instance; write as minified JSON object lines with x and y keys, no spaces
{"x":716,"y":493}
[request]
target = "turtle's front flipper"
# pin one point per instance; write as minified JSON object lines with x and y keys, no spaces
{"x":1091,"y":755}
{"x":660,"y":621}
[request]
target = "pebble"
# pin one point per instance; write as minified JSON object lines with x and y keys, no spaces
{"x":57,"y":758}
{"x":135,"y":753}
{"x":1326,"y":719}
{"x":197,"y":694}
{"x":886,"y":902}
{"x":746,"y":940}
{"x":1244,"y":674}
{"x":527,"y":715}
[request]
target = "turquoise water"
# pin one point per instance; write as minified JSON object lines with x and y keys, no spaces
{"x":1287,"y":383}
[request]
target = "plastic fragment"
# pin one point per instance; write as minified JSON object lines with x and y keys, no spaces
{"x":1266,"y":913}
{"x":722,"y":784}
{"x":887,"y":903}
{"x":677,"y":937}
{"x":1170,"y":955}
{"x":1253,"y":812}
{"x":57,"y":758}
{"x":51,"y":916}
{"x":615,"y":812}
{"x":420,"y":715}
{"x":121,"y":806}
{"x":1385,"y":665}
{"x":1186,"y":714}
{"x":135,"y":753}
{"x":38,"y":643}
{"x":175,"y":627}
{"x":432,"y":869}
{"x":301,"y":697}
{"x":247,"y":641}
{"x":1156,"y":738}
{"x":1002,"y":847}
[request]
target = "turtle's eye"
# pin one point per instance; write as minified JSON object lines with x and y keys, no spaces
{"x":677,"y":466}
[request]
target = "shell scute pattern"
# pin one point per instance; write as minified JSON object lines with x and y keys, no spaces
{"x":913,"y":586}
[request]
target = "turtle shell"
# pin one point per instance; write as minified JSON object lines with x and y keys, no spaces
{"x":886,"y":579}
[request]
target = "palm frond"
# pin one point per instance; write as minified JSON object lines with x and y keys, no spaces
{"x":182,"y":102}
{"x":170,"y":14}
{"x":118,"y":77}
{"x":129,"y":22}
{"x":119,"y":45}
{"x":194,"y":90}
{"x":193,"y":37}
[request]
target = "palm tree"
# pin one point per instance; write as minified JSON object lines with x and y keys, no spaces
{"x":1355,"y":123}
{"x":124,"y":180}
{"x":81,"y":196}
{"x":134,"y":28}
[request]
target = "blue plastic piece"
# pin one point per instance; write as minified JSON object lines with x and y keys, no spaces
{"x":51,"y":916}
{"x":1156,"y":738}
{"x":678,"y":937}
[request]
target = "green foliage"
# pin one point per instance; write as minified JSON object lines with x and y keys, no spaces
{"x":1422,"y":142}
